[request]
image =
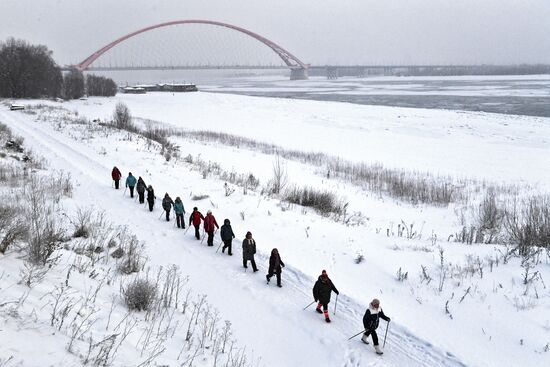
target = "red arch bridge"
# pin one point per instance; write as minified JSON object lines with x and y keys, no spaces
{"x":298,"y":69}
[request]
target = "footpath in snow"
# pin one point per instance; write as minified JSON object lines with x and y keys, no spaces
{"x":270,"y":321}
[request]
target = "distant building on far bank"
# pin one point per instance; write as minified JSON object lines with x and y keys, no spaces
{"x":167,"y":87}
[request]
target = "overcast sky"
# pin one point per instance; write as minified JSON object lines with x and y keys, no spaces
{"x":317,"y":31}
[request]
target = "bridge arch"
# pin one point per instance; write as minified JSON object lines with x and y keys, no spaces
{"x":298,"y":68}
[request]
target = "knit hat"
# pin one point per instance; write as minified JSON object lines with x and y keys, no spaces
{"x":195,"y":208}
{"x":209,"y":212}
{"x":375,"y":303}
{"x":248,"y":234}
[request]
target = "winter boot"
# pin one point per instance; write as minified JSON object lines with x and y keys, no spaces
{"x":378,"y":351}
{"x":267,"y":278}
{"x":327,"y":319}
{"x":279,"y":285}
{"x":364,"y":339}
{"x":318,"y":309}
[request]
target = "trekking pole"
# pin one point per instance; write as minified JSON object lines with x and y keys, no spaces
{"x":161,"y":213}
{"x":219,"y":247}
{"x":356,"y":334}
{"x":203,"y":235}
{"x":335,"y":304}
{"x":124,"y":193}
{"x":387,"y":327}
{"x":189,"y":226}
{"x":309,"y":304}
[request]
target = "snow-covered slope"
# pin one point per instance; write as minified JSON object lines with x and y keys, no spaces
{"x":485,"y":326}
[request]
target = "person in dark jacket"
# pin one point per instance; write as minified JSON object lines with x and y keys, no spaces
{"x":322,"y":291}
{"x":151,"y":197}
{"x":131,"y":183}
{"x":116,"y":176}
{"x":210,"y":225}
{"x":141,"y":187}
{"x":249,"y":250}
{"x":195,"y":219}
{"x":167,"y":203}
{"x":275,"y":267}
{"x":227,"y":235}
{"x":180,"y":211}
{"x":371,"y":320}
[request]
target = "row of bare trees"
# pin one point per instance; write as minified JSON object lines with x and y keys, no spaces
{"x":29,"y":71}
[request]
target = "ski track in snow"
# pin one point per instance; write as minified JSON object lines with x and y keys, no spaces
{"x":317,"y":341}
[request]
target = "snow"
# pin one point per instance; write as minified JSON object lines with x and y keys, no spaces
{"x":486,"y":327}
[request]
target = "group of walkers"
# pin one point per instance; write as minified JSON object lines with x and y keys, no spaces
{"x":322,"y":289}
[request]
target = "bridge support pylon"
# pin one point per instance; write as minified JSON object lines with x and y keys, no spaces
{"x":298,"y":74}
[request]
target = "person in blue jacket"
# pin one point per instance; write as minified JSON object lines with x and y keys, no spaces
{"x":131,"y":183}
{"x":180,"y":211}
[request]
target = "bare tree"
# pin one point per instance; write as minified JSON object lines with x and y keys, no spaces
{"x":280,"y":177}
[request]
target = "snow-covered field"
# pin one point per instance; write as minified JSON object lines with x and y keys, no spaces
{"x":475,"y":318}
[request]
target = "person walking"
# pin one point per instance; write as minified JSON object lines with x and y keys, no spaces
{"x":180,"y":211}
{"x":227,"y":235}
{"x":195,"y":219}
{"x":210,"y":225}
{"x":275,"y":267}
{"x":131,"y":183}
{"x":249,"y":250}
{"x":141,"y":187}
{"x":116,"y":176}
{"x":151,"y":197}
{"x":370,"y":321}
{"x":167,"y":203}
{"x":321,"y":292}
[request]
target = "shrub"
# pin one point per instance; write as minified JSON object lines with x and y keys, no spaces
{"x":122,"y":119}
{"x":323,"y":201}
{"x":528,"y":223}
{"x":118,"y":253}
{"x":134,"y":259}
{"x":82,"y":220}
{"x":44,"y":234}
{"x":199,"y":197}
{"x":12,"y":227}
{"x":139,"y":294}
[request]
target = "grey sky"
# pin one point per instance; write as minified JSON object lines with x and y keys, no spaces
{"x":317,"y":31}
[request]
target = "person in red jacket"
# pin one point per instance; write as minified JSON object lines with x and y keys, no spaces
{"x":195,"y":219}
{"x":210,"y":225}
{"x":116,"y":175}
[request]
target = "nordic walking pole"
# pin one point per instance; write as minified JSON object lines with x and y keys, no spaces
{"x":161,"y":213}
{"x":309,"y":304}
{"x":335,"y":304}
{"x":219,"y":247}
{"x":189,"y":226}
{"x":203,"y":235}
{"x":124,"y":193}
{"x":356,"y":334}
{"x":387,"y":327}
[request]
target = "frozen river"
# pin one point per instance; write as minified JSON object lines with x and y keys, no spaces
{"x":517,"y":95}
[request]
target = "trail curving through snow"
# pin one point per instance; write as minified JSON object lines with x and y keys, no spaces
{"x":267,"y":319}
